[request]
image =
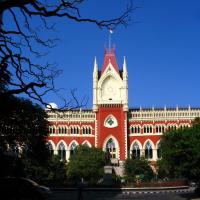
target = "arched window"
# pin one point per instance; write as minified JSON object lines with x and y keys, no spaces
{"x":160,"y":129}
{"x":52,"y":130}
{"x":65,"y":129}
{"x":159,"y":151}
{"x":111,"y":148}
{"x":157,"y":129}
{"x":145,"y":129}
{"x":135,"y":151}
{"x":132,"y":129}
{"x":148,"y":150}
{"x":90,"y":130}
{"x":86,"y":130}
{"x":62,"y":151}
{"x":83,"y":130}
{"x":135,"y":129}
{"x":163,"y":129}
{"x":148,"y":129}
{"x":50,"y":148}
{"x":73,"y":147}
{"x":74,"y":130}
{"x":71,"y":130}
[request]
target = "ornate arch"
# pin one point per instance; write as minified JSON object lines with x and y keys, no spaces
{"x":157,"y":143}
{"x":52,"y":144}
{"x":87,"y":143}
{"x":148,"y":149}
{"x":140,"y":145}
{"x":116,"y":147}
{"x":71,"y":143}
{"x":61,"y":141}
{"x":110,"y":121}
{"x":135,"y":149}
{"x":112,"y":73}
{"x":148,"y":140}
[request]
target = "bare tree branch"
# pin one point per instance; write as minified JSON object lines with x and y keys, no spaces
{"x":18,"y":73}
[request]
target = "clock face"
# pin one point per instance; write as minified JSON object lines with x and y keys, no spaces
{"x":110,"y":90}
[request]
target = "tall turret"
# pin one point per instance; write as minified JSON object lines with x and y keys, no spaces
{"x":111,"y":86}
{"x":125,"y":85}
{"x":95,"y":85}
{"x":111,"y":105}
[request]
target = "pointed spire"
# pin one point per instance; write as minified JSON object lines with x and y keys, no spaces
{"x":95,"y":71}
{"x":95,"y":62}
{"x":124,"y":65}
{"x":125,"y":73}
{"x":110,"y":58}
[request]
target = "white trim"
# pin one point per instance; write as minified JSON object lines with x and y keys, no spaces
{"x":87,"y":142}
{"x":156,"y":146}
{"x":52,"y":143}
{"x":73,"y":141}
{"x":114,"y":121}
{"x":96,"y":133}
{"x":71,"y":135}
{"x":153,"y":146}
{"x":125,"y":136}
{"x":140,"y":145}
{"x":61,"y":141}
{"x":145,"y":134}
{"x":116,"y":143}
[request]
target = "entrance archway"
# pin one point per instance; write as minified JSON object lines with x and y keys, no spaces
{"x":111,"y":148}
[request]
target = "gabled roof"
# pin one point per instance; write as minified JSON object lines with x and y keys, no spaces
{"x":109,"y":57}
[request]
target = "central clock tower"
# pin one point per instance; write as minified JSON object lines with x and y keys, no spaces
{"x":110,"y":102}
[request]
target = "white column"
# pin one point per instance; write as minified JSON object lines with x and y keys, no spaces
{"x":67,"y":155}
{"x":55,"y":152}
{"x":154,"y":154}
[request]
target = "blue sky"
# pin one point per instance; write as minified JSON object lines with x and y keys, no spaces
{"x":162,"y":51}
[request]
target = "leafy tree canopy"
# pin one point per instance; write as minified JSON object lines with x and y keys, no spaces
{"x":52,"y":172}
{"x":138,"y":167}
{"x":86,"y":163}
{"x":23,"y":124}
{"x":180,"y":153}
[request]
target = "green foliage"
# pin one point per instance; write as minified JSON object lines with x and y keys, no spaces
{"x":86,"y":163}
{"x":57,"y":171}
{"x":180,"y":153}
{"x":138,"y":167}
{"x":25,"y":124}
{"x":53,"y":171}
{"x":33,"y":169}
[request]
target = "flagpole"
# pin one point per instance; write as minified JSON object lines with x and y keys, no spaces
{"x":109,"y":41}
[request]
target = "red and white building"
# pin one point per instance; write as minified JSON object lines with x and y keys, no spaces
{"x":111,"y":125}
